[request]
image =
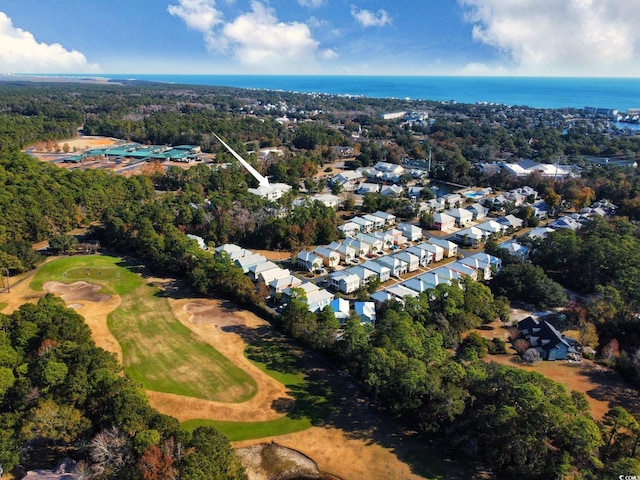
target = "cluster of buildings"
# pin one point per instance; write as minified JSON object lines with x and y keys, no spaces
{"x":382,"y":178}
{"x":142,"y":153}
{"x":281,"y":282}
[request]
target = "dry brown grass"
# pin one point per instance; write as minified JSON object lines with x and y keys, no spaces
{"x":603,"y":387}
{"x":352,"y":446}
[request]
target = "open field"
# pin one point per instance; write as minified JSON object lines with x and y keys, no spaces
{"x":295,"y":389}
{"x":157,"y":350}
{"x":603,"y":387}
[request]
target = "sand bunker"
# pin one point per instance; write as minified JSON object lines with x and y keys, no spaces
{"x":270,"y":461}
{"x":75,"y":306}
{"x":78,"y":291}
{"x":202,"y":314}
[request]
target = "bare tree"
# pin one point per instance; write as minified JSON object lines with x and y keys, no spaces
{"x":531,"y":355}
{"x":110,"y":451}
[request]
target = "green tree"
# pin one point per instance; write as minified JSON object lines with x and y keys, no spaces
{"x":212,"y":458}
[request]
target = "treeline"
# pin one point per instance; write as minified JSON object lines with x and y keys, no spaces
{"x":519,"y":423}
{"x":60,"y":395}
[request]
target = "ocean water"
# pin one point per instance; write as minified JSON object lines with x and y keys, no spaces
{"x":541,"y":92}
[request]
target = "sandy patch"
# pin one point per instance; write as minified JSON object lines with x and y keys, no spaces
{"x":350,"y":458}
{"x":76,"y":291}
{"x":273,"y":255}
{"x":75,"y":306}
{"x":202,"y":314}
{"x":267,"y":461}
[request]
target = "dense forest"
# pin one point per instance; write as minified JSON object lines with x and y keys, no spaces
{"x":420,"y":363}
{"x":61,"y":395}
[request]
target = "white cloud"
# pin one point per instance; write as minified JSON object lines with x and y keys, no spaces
{"x":312,"y":3}
{"x":20,"y":52}
{"x":257,"y":39}
{"x":571,"y":37}
{"x":199,"y":15}
{"x":367,"y":18}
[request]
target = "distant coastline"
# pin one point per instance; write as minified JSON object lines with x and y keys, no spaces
{"x":537,"y":92}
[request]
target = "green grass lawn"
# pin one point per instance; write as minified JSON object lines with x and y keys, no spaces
{"x":109,"y":272}
{"x":3,"y":305}
{"x":158,"y":351}
{"x":311,"y":406}
{"x":236,"y":431}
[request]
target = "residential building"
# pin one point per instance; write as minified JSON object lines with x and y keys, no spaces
{"x":362,"y":249}
{"x":470,"y":237}
{"x":383,"y":272}
{"x":267,"y":276}
{"x":340,"y":308}
{"x":464,"y":270}
{"x":309,"y":261}
{"x":279,"y":285}
{"x":539,"y":233}
{"x":549,"y":342}
{"x":450,"y":248}
{"x":255,"y":270}
{"x":233,"y":251}
{"x":436,"y":251}
{"x":400,"y":292}
{"x":394,"y":191}
{"x":516,"y":249}
{"x":389,"y":218}
{"x":412,"y":261}
{"x":491,"y":227}
{"x":378,"y":222}
{"x":413,"y":233}
{"x":319,"y":299}
{"x":398,"y":267}
{"x":566,"y":222}
{"x":443,"y":221}
{"x":366,"y":226}
{"x":346,"y":253}
{"x":364,"y":274}
{"x":424,"y":257}
{"x":478,"y":211}
{"x":344,"y":282}
{"x":365,"y":188}
{"x":454,"y":200}
{"x":463,"y":217}
{"x":248,"y":261}
{"x":377,"y":244}
{"x":349,"y":229}
{"x":366,"y":311}
{"x":330,"y":258}
{"x":511,"y":222}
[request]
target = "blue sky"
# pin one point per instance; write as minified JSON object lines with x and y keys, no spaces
{"x":409,"y":37}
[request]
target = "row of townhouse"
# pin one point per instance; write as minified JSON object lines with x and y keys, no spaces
{"x":342,"y":309}
{"x":479,"y":266}
{"x":395,"y":265}
{"x":480,"y":233}
{"x":278,"y":280}
{"x":367,"y":223}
